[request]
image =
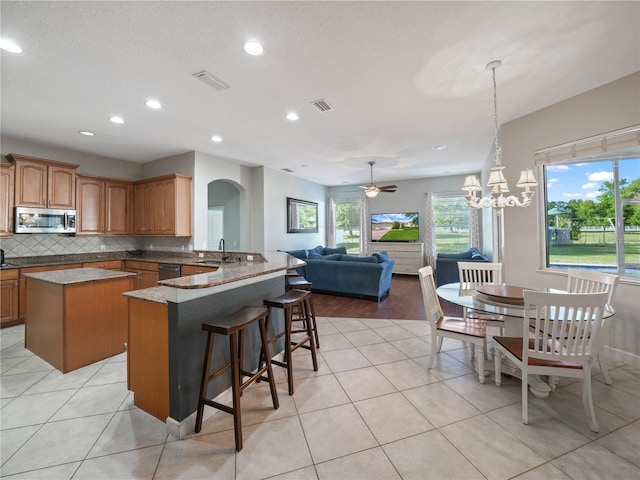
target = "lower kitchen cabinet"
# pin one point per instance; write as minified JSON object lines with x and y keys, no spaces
{"x":23,"y":300}
{"x":146,"y":273}
{"x":9,"y":297}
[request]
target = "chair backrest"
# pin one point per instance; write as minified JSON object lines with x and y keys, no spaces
{"x":472,"y":274}
{"x":567,"y":325}
{"x":429,"y":295}
{"x":588,"y":281}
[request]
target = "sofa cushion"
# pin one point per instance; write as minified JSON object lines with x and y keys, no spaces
{"x":318,"y":249}
{"x":351,"y":258}
{"x":329,"y":250}
{"x":381,"y":256}
{"x":333,"y":256}
{"x":314,"y":255}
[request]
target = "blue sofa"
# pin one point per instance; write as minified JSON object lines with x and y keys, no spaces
{"x":333,"y":271}
{"x":447,"y":264}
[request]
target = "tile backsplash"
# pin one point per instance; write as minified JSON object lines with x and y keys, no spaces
{"x":35,"y":244}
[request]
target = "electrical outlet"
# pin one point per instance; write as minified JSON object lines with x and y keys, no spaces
{"x":249,"y":258}
{"x":200,"y":255}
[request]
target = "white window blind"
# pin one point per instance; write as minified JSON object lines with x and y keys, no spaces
{"x":623,"y":143}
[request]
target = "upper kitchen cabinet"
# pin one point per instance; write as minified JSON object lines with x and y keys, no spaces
{"x":43,"y":183}
{"x":163,"y":206}
{"x":7,"y":177}
{"x":104,"y":206}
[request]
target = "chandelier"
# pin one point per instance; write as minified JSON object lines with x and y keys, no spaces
{"x":497,"y":199}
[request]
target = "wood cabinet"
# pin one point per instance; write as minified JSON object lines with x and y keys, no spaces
{"x":409,"y":257}
{"x":146,"y":273}
{"x":105,"y":265}
{"x":23,"y":302}
{"x":43,"y":183}
{"x":104,"y":206}
{"x":187,"y":270}
{"x":7,"y":179}
{"x":9,"y":297}
{"x":163,"y":206}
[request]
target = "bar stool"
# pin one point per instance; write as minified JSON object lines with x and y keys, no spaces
{"x":293,"y":299}
{"x":233,"y":326}
{"x":301,"y":283}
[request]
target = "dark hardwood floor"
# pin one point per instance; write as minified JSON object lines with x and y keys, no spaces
{"x":404,"y":302}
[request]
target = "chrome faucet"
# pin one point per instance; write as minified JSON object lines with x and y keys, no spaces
{"x":224,"y":253}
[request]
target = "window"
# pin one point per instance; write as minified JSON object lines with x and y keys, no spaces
{"x":592,"y":211}
{"x":451,"y":223}
{"x":347,"y":220}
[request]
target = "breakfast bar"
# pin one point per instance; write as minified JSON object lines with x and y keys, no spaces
{"x":166,"y":341}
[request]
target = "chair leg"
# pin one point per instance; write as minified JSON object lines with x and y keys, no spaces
{"x":603,"y":367}
{"x":497,"y":366}
{"x":434,"y":348}
{"x":481,"y":363}
{"x":587,"y":400}
{"x":440,"y":339}
{"x":525,"y":397}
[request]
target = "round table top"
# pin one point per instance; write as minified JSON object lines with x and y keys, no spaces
{"x":497,"y":299}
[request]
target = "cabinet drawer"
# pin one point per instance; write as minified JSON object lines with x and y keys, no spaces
{"x":141,"y":265}
{"x":107,"y":265}
{"x":187,"y":270}
{"x":412,"y":255}
{"x":409,"y":247}
{"x":379,"y":248}
{"x":9,"y":274}
{"x":410,"y":269}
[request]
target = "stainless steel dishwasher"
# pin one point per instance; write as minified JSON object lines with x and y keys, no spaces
{"x":168,"y":270}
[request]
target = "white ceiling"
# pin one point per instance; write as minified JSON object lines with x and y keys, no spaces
{"x":401,"y":77}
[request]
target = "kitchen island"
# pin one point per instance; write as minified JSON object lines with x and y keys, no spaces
{"x":76,"y":317}
{"x":166,"y":341}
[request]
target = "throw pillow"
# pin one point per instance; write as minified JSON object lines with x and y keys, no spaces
{"x":319,"y":250}
{"x":301,"y":254}
{"x":314,"y":255}
{"x":329,"y":251}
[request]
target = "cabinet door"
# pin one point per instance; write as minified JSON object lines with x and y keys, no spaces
{"x":136,"y":279}
{"x":7,"y":176}
{"x":165,"y":204}
{"x":31,"y":184}
{"x":144,"y":208}
{"x":118,"y":208}
{"x":9,"y":301}
{"x":61,"y":187}
{"x":90,"y":206}
{"x":149,"y":279}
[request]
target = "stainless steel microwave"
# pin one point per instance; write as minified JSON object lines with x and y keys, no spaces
{"x":44,"y":220}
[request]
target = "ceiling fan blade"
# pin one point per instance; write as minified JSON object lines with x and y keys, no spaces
{"x":389,"y":186}
{"x":387,"y":190}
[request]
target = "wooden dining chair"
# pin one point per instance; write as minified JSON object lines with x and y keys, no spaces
{"x":563,"y":342}
{"x":588,"y":281}
{"x":473,"y":274}
{"x":467,"y":330}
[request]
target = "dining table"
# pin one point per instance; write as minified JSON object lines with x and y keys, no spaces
{"x":506,"y":300}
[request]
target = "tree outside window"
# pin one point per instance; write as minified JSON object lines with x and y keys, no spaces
{"x":347,"y":218}
{"x":451,"y":223}
{"x":593,"y":215}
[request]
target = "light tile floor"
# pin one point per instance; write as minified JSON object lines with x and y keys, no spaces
{"x":372,"y":411}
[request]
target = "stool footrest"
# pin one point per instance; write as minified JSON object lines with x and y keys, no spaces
{"x":219,"y":406}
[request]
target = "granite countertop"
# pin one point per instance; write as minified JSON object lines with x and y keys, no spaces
{"x":274,"y":262}
{"x":152,"y":294}
{"x":77,"y":275}
{"x":149,"y":256}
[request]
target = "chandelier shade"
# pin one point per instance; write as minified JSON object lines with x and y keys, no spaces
{"x":497,"y":180}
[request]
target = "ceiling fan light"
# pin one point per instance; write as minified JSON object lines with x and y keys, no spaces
{"x":371,"y":193}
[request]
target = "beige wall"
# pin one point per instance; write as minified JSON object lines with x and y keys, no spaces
{"x":607,"y":108}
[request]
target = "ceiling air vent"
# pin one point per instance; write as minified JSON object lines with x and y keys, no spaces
{"x":322,"y":105}
{"x":211,"y":80}
{"x":288,"y":170}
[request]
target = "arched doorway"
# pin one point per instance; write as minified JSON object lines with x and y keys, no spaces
{"x":225,"y":214}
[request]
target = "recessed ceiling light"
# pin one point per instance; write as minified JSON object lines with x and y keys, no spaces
{"x":117,"y":120}
{"x":292,"y":116}
{"x":9,"y":46}
{"x":153,"y":104}
{"x":253,"y":47}
{"x":86,"y":133}
{"x":439,"y":147}
{"x":216,"y":138}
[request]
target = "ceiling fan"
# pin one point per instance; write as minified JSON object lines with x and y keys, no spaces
{"x":372,"y":190}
